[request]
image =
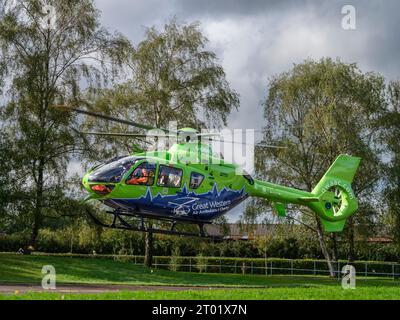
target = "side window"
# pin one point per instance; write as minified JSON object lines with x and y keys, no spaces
{"x":169,"y":177}
{"x":195,"y":180}
{"x":143,"y":175}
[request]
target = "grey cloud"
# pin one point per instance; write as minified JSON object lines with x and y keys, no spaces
{"x":132,"y":17}
{"x":215,"y":8}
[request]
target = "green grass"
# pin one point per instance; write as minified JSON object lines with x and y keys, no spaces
{"x":27,"y":269}
{"x":299,"y":293}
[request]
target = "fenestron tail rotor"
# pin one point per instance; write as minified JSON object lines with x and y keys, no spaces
{"x":337,"y":200}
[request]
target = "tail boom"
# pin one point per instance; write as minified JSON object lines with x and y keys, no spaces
{"x":332,"y":199}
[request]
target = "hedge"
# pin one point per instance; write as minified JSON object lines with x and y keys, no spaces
{"x":247,"y":265}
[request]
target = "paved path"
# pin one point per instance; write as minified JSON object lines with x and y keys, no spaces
{"x":95,"y":288}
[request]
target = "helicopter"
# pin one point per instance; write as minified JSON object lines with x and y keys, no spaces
{"x":188,"y":184}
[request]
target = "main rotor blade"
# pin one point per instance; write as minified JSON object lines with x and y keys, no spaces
{"x":208,"y":134}
{"x":116,"y":134}
{"x":264,"y":145}
{"x":110,"y":118}
{"x":127,"y":134}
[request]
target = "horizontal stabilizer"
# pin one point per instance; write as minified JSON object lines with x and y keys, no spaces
{"x":308,"y":199}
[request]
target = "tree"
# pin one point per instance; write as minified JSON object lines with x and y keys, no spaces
{"x":49,"y":52}
{"x":6,"y":186}
{"x":320,"y":109}
{"x":174,"y":78}
{"x":390,"y":125}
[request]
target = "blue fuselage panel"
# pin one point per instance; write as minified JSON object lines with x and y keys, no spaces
{"x":205,"y":206}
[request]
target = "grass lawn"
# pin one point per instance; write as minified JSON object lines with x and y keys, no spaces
{"x":294,"y":293}
{"x":27,"y":269}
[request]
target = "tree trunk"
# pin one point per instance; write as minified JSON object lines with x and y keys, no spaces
{"x":148,"y":249}
{"x":351,"y":255}
{"x":334,"y":247}
{"x":37,"y":214}
{"x":324,"y":248}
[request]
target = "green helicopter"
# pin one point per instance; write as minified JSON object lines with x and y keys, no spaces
{"x":188,"y":184}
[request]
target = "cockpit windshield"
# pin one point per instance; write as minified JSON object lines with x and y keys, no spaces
{"x":112,"y":171}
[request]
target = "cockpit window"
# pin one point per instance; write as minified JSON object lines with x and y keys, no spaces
{"x":169,"y":177}
{"x":195,"y":180}
{"x":143,"y":175}
{"x":112,"y":171}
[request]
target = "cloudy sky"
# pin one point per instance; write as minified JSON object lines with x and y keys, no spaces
{"x":256,"y":39}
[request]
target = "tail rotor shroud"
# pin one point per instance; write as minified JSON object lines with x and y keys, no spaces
{"x":332,"y":199}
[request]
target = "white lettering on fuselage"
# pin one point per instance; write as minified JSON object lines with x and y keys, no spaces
{"x":211,"y":207}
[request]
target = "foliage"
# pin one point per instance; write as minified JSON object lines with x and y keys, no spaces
{"x":45,"y":66}
{"x":201,"y":263}
{"x":320,"y":109}
{"x":297,"y":243}
{"x":175,"y":259}
{"x":172,"y":78}
{"x":380,"y":292}
{"x":390,"y":133}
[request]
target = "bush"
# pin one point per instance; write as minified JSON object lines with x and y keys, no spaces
{"x":175,"y":260}
{"x":201,"y":263}
{"x":12,"y":243}
{"x":85,"y":238}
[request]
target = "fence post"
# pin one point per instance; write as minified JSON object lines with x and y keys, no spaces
{"x":251,"y":267}
{"x":271,"y":267}
{"x":235,"y":267}
{"x":220,"y":266}
{"x":291,"y":267}
{"x":366,"y":269}
{"x":314,"y":268}
{"x":155,"y":263}
{"x":135,"y":260}
{"x":266,"y":267}
{"x":190,"y":264}
{"x":393,"y":271}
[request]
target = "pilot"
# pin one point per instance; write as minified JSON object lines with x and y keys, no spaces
{"x":140,"y":176}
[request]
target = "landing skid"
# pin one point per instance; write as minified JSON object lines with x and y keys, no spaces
{"x":120,"y":221}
